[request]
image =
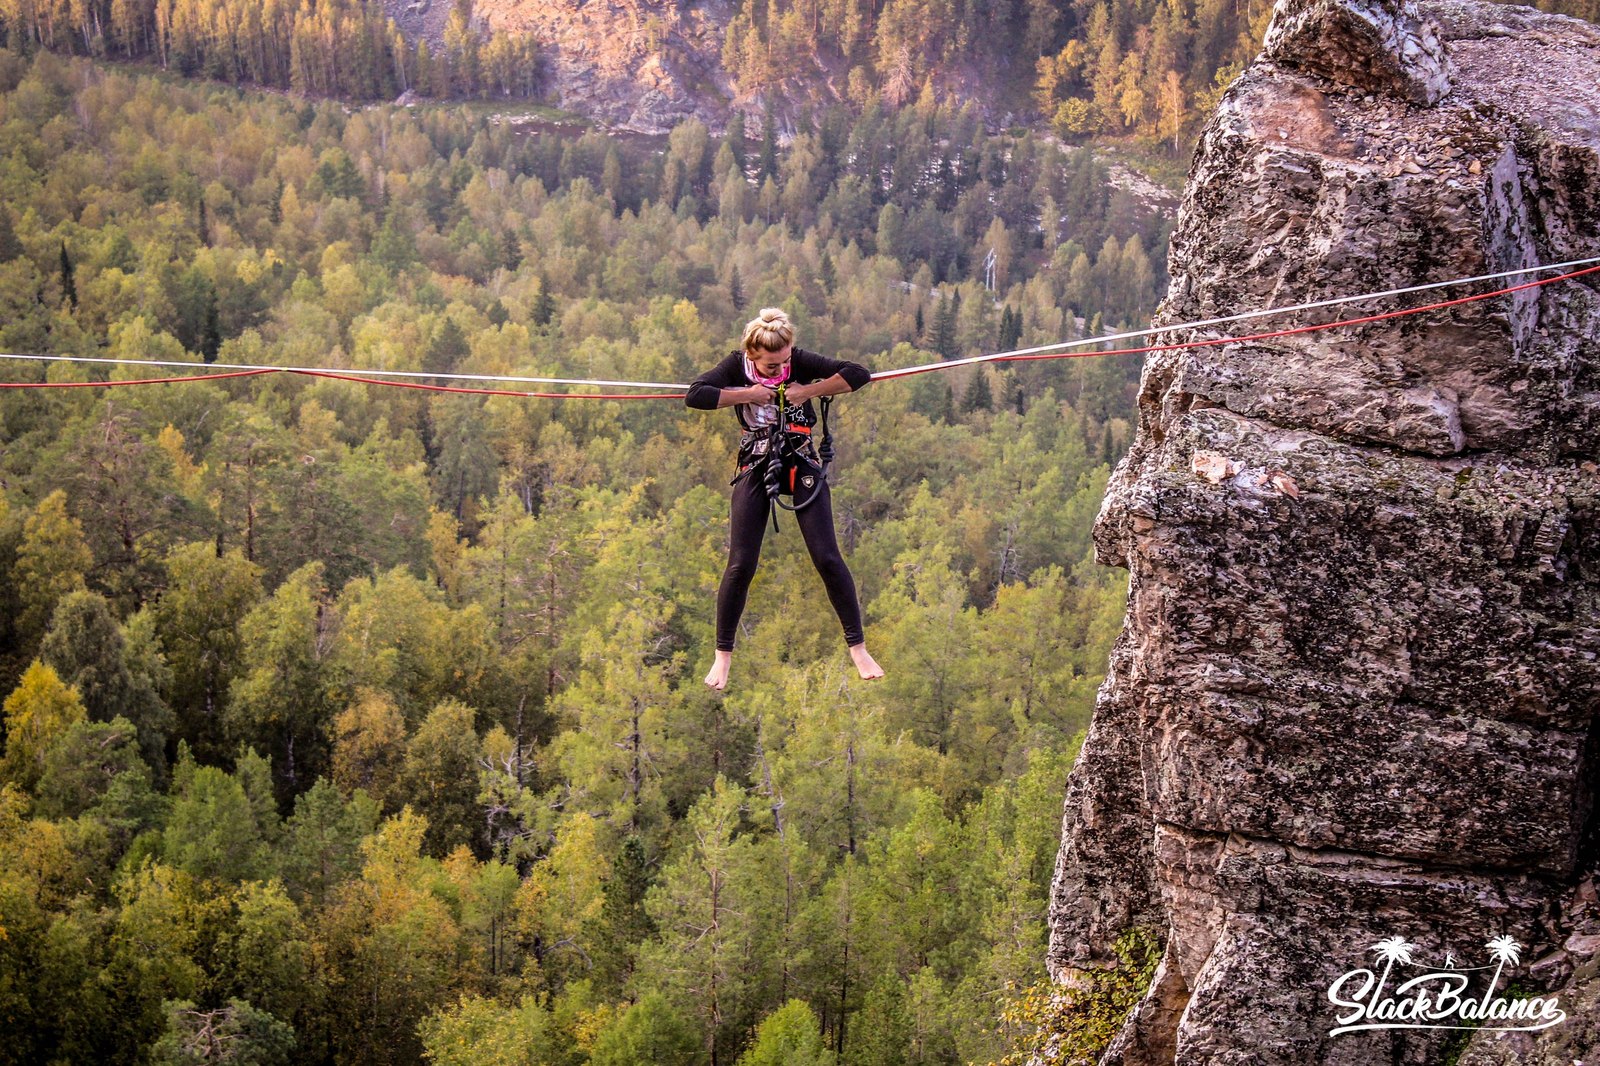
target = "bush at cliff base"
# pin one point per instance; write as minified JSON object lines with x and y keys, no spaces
{"x":1052,"y":1025}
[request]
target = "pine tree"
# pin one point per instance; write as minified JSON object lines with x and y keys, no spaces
{"x":248,"y":1034}
{"x":944,"y":327}
{"x":94,"y":769}
{"x":10,"y":247}
{"x":439,"y":778}
{"x":624,"y":923}
{"x":696,"y":905}
{"x":210,"y":328}
{"x":447,"y":348}
{"x":69,"y":288}
{"x":280,"y":703}
{"x":978,"y":396}
{"x":394,"y":246}
{"x":321,"y":844}
{"x":85,"y":647}
{"x":544,"y":305}
{"x":1010,"y":328}
{"x":769,"y":144}
{"x":649,"y":1031}
{"x":736,"y":288}
{"x":735,"y":138}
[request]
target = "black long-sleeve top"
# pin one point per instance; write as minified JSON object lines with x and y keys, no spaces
{"x":804,"y":367}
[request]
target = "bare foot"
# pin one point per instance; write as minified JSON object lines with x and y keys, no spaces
{"x":866,"y":665}
{"x":718,"y":677}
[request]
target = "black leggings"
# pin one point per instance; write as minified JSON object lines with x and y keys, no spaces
{"x":746,"y":529}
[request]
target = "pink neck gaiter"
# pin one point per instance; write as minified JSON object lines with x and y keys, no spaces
{"x":750,"y":372}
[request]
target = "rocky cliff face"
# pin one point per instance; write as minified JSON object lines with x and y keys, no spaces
{"x":639,"y":65}
{"x":635,"y":65}
{"x":1355,"y":696}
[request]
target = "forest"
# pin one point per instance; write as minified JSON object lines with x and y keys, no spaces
{"x":1150,"y":71}
{"x":334,"y":48}
{"x":355,"y":724}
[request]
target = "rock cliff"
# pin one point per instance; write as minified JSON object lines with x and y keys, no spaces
{"x":1355,"y":695}
{"x":635,"y":65}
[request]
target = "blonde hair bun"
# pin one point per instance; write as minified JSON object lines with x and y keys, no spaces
{"x":771,"y":331}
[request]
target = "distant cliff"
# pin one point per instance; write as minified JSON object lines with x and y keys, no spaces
{"x":1355,"y":696}
{"x":639,"y":65}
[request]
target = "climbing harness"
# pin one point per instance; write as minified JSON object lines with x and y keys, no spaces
{"x":783,"y":456}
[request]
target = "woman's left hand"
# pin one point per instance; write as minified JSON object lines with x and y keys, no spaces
{"x":796,"y":394}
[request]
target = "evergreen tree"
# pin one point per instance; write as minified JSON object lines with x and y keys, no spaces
{"x":280,"y":701}
{"x":735,"y":137}
{"x":395,"y":247}
{"x":944,"y":326}
{"x":544,"y":304}
{"x":88,"y":649}
{"x":447,"y":348}
{"x":69,"y":286}
{"x":234,"y":1033}
{"x":624,"y":922}
{"x":212,"y":831}
{"x":649,"y":1031}
{"x":210,"y":329}
{"x":322,"y":840}
{"x":94,"y":770}
{"x":789,"y":1036}
{"x":1010,"y":329}
{"x":85,"y":646}
{"x":10,"y":247}
{"x":978,"y":396}
{"x":439,"y":777}
{"x":769,"y":144}
{"x":702,"y":923}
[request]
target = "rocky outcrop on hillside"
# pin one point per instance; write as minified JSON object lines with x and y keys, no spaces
{"x":1356,"y":692}
{"x":636,"y":65}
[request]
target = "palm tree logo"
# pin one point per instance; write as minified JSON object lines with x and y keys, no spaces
{"x":1391,"y":950}
{"x":1502,"y":949}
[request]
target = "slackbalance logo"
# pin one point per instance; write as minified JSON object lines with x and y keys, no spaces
{"x":1440,"y":999}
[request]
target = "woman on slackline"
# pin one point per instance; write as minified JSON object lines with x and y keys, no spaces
{"x":750,"y":381}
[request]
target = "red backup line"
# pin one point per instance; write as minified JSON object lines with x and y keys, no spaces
{"x":140,"y":381}
{"x":1212,"y":342}
{"x":1207,"y":343}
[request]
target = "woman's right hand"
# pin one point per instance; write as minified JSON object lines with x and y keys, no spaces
{"x":760,"y":394}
